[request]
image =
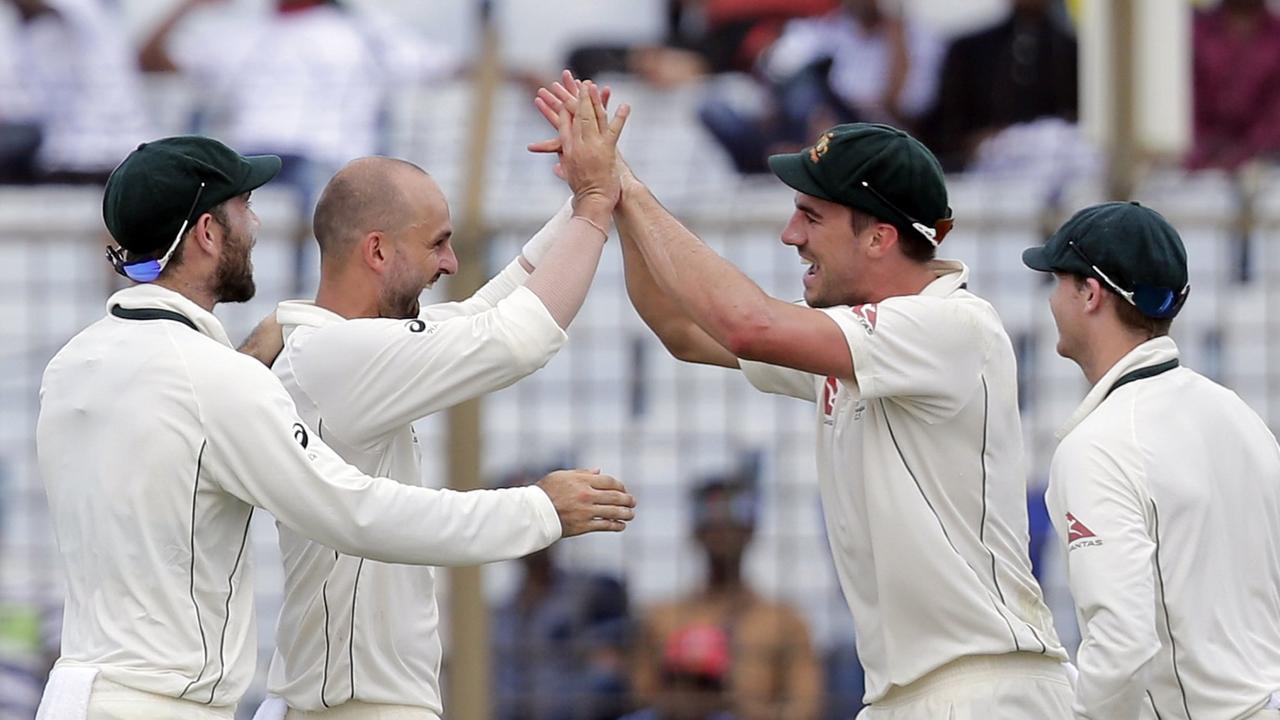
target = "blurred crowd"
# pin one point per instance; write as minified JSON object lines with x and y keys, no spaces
{"x":311,"y":79}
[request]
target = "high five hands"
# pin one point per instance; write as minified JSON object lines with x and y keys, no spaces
{"x":562,"y":103}
{"x":586,"y":139}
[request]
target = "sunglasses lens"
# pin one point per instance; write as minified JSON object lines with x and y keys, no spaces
{"x":1155,"y":302}
{"x":145,"y":271}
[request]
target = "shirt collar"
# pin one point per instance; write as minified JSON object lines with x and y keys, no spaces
{"x":292,"y":313}
{"x":1151,"y":352}
{"x":952,"y":275}
{"x":148,"y":295}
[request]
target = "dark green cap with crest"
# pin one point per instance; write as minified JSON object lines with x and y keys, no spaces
{"x":877,"y":169}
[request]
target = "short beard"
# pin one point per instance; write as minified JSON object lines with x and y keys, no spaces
{"x":398,"y":297}
{"x":398,"y":304}
{"x":233,"y":278}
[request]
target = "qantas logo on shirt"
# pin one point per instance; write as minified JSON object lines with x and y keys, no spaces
{"x":1078,"y":535}
{"x":829,"y":390}
{"x":866,"y":315}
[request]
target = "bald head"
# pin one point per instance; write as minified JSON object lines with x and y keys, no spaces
{"x":374,"y":194}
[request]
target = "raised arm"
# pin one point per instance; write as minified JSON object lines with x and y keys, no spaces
{"x":154,"y":55}
{"x":678,"y":332}
{"x":565,"y":275}
{"x":731,"y":309}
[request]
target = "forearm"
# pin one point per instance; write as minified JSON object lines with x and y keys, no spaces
{"x":154,"y":55}
{"x":564,"y":276}
{"x":677,"y":331}
{"x":713,"y":293}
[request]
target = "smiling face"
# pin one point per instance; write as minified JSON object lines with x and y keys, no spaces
{"x":422,"y":252}
{"x":824,"y":235}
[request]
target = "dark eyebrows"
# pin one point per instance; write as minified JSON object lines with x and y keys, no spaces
{"x":808,"y":209}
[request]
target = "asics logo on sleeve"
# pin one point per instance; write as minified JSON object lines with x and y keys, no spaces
{"x":300,"y":434}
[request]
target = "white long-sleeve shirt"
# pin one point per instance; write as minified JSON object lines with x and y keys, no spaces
{"x":923,"y":483}
{"x":1166,"y":492}
{"x":155,"y":442}
{"x":352,"y":629}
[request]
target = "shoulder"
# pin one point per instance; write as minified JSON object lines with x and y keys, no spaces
{"x":778,"y":614}
{"x":223,"y":376}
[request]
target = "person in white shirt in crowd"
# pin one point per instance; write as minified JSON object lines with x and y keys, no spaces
{"x":1165,"y":490}
{"x":857,"y":63}
{"x":359,"y":638}
{"x":156,"y":441}
{"x":70,"y":95}
{"x":913,"y":378}
{"x":883,"y":64}
{"x":308,"y":81}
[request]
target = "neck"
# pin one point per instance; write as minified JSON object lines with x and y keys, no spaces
{"x":344,"y":295}
{"x":1103,"y":353}
{"x":725,"y":577}
{"x":198,"y":294}
{"x":907,"y":278}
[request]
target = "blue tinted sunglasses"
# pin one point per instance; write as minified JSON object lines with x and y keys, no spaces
{"x":1154,"y":302}
{"x":147,"y":270}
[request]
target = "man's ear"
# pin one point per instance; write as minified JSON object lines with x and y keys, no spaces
{"x":1091,"y":293}
{"x":208,"y":233}
{"x":884,"y":237}
{"x":376,"y":250}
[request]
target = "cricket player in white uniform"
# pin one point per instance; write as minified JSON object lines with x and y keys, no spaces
{"x":919,"y":443}
{"x":156,"y":441}
{"x":357,"y":638}
{"x":1165,"y":490}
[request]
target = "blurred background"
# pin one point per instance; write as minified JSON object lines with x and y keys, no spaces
{"x":723,"y":587}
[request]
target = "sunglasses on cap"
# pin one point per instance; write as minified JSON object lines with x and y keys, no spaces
{"x":933,"y":235}
{"x":147,"y":270}
{"x":1151,"y":301}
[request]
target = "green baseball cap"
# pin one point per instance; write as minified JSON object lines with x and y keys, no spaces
{"x":1132,"y":250}
{"x":877,"y":169}
{"x":164,"y":183}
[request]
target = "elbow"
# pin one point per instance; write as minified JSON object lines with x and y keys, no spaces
{"x":530,"y":357}
{"x":746,"y":334}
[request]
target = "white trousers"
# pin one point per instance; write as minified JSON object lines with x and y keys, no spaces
{"x":111,"y":701}
{"x":354,"y":710}
{"x":1018,"y":686}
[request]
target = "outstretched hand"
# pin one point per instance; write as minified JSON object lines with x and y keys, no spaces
{"x":562,"y":95}
{"x":587,"y":501}
{"x":588,"y":142}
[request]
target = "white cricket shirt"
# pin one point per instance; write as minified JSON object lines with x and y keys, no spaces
{"x":353,"y":629}
{"x":155,"y":441}
{"x":1166,"y":492}
{"x":923,"y":482}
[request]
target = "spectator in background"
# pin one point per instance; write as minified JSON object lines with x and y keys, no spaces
{"x":771,"y":670}
{"x":559,"y":642}
{"x":704,"y":36}
{"x":309,"y":82}
{"x":694,"y":681}
{"x":70,"y":99}
{"x":1017,"y":71}
{"x":1236,"y":79}
{"x":854,"y":64}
